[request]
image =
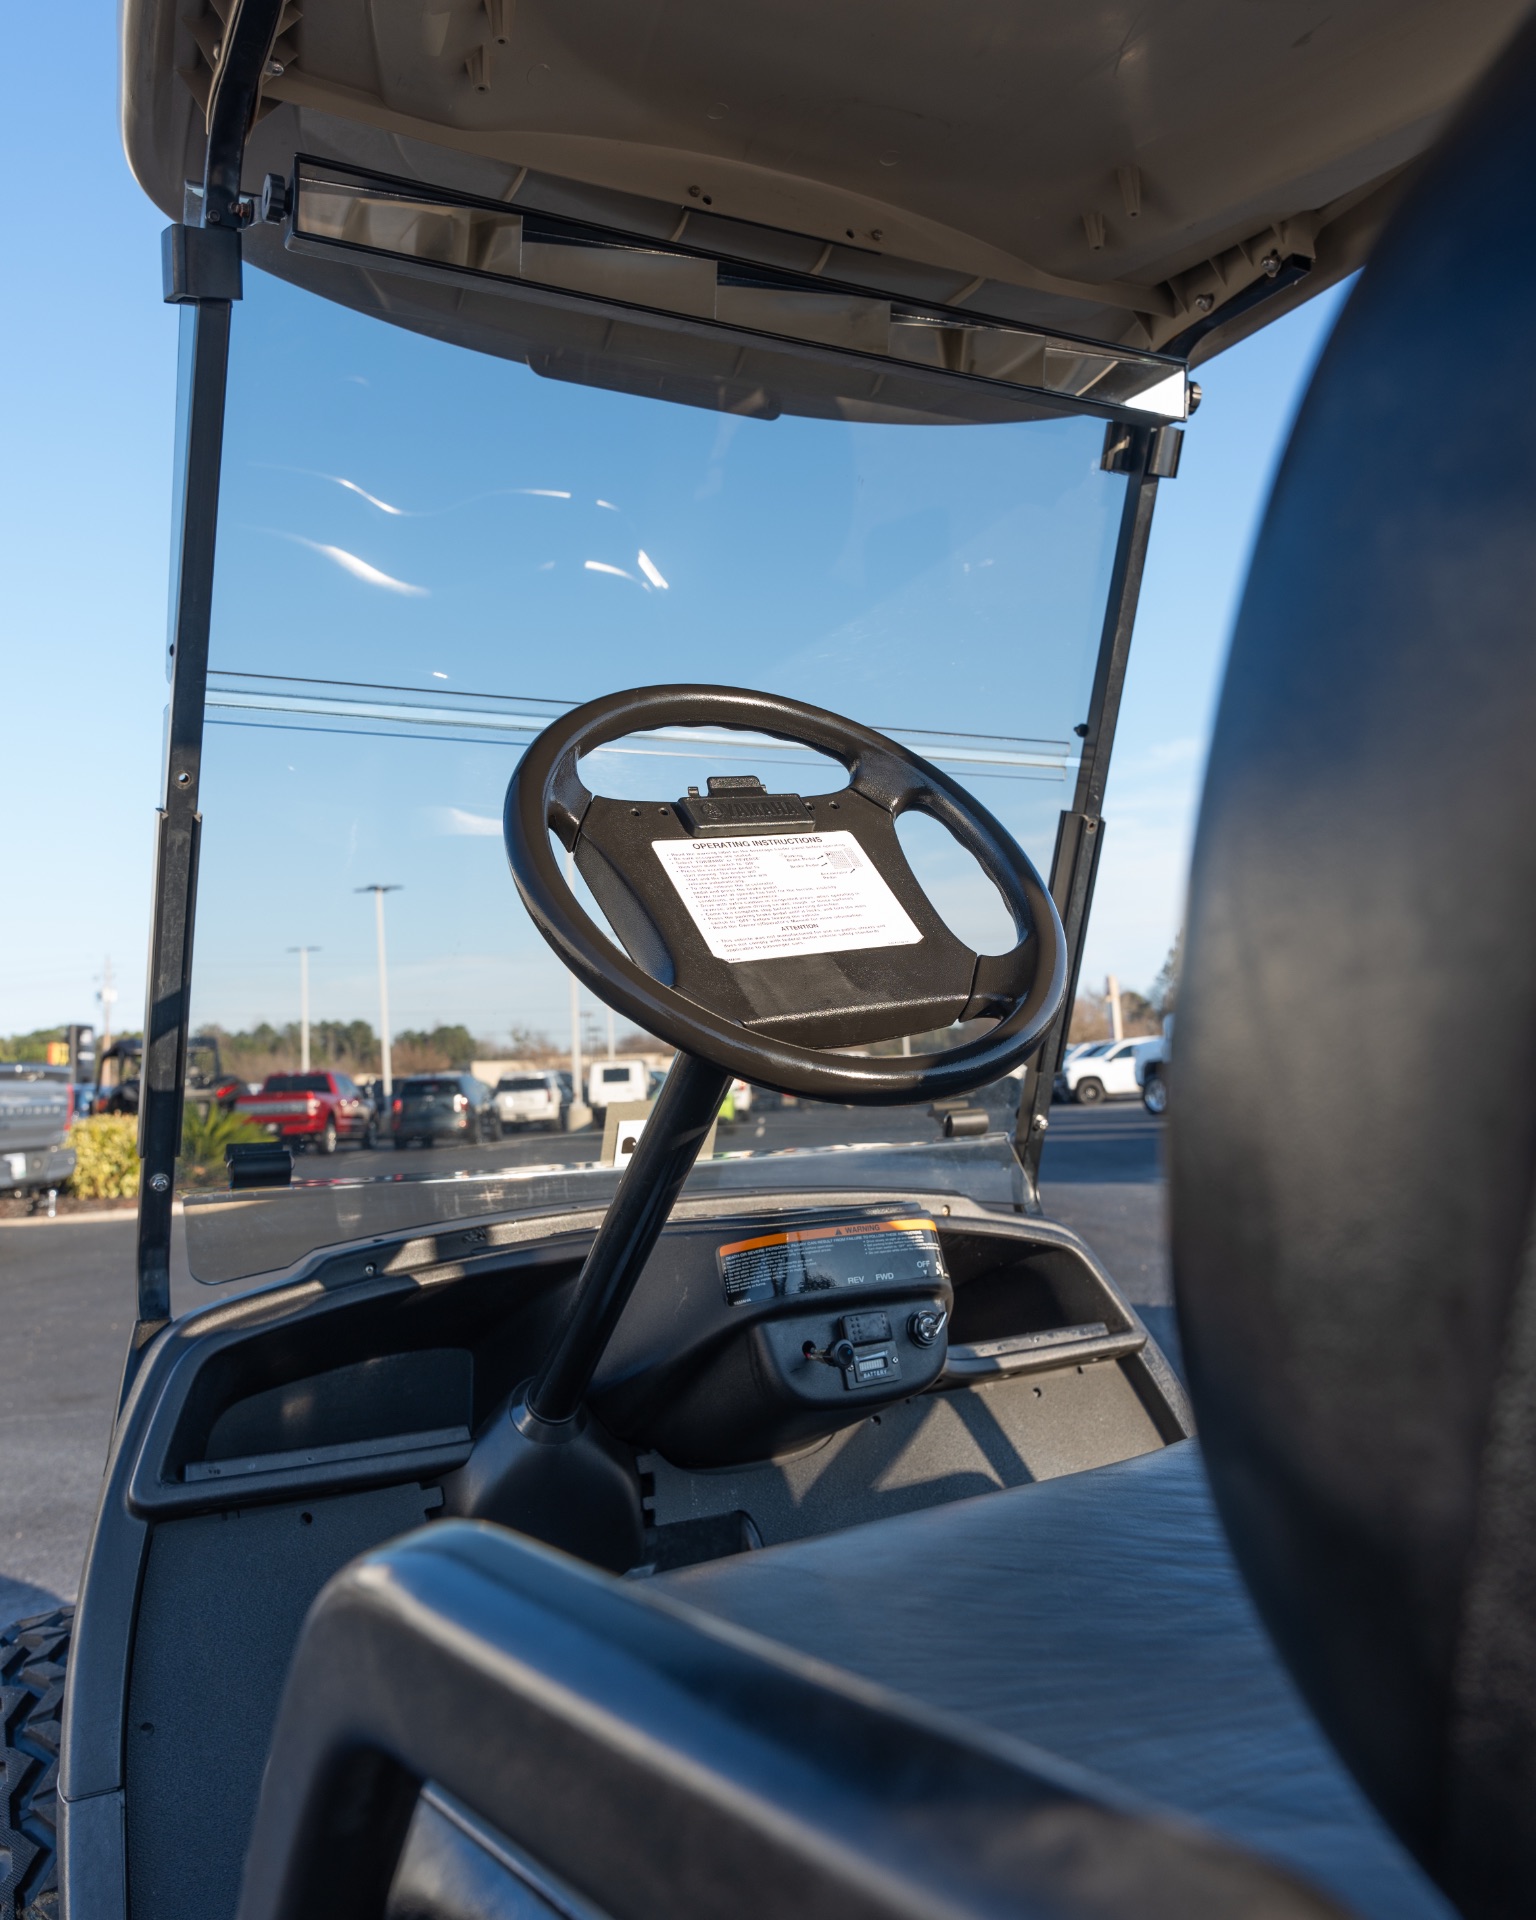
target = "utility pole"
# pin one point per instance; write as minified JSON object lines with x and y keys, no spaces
{"x":304,"y":953}
{"x":378,"y":891}
{"x":1116,"y":1019}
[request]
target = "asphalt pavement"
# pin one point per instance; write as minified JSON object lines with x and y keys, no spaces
{"x":66,"y":1299}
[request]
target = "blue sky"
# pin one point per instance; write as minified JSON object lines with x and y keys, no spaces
{"x":949,"y":582}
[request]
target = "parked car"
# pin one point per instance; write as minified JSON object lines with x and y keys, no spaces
{"x":612,"y":1082}
{"x":1152,"y":1070}
{"x":530,"y":1100}
{"x":317,"y":1110}
{"x":36,"y":1111}
{"x":1105,"y":1071}
{"x":430,"y":1107}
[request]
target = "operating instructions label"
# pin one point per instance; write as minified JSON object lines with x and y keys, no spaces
{"x":855,"y":1253}
{"x":770,"y":896}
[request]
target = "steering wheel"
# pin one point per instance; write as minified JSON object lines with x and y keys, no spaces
{"x":757,"y":1017}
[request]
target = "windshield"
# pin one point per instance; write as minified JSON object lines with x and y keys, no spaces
{"x":425,"y":554}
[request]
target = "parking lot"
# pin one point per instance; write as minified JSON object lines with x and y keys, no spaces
{"x":66,"y":1296}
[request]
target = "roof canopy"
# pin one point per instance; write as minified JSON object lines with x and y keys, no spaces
{"x":1163,"y":180}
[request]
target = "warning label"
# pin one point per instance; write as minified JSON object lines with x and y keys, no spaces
{"x":767,"y":896}
{"x":863,"y":1253}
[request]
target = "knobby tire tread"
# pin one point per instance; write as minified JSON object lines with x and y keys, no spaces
{"x":33,"y":1653}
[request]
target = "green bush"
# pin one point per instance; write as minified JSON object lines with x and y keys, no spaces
{"x":106,"y":1157}
{"x":205,"y":1133}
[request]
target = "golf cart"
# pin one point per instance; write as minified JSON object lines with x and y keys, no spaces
{"x":119,"y":1071}
{"x":822,"y":1531}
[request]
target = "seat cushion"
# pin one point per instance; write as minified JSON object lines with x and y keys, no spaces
{"x":1101,"y":1617}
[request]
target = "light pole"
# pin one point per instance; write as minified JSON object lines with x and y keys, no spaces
{"x":107,"y":995}
{"x":578,"y":1114}
{"x":378,"y":893}
{"x":303,"y":953}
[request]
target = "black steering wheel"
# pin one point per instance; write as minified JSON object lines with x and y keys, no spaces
{"x":745,"y":1016}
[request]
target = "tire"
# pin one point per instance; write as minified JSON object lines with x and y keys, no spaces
{"x":1088,"y":1093}
{"x":327,"y":1141}
{"x":32,"y":1659}
{"x":401,"y":1145}
{"x":1154,"y":1094}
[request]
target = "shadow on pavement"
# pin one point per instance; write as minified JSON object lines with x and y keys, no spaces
{"x":19,"y":1601}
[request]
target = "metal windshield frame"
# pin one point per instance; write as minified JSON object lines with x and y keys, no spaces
{"x":202,"y":276}
{"x":1146,"y":455}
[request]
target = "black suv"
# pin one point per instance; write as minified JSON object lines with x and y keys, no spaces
{"x":442,"y":1106}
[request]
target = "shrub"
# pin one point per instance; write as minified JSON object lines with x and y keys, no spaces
{"x":106,"y":1157}
{"x":205,"y":1133}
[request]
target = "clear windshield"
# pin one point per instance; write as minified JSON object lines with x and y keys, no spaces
{"x":426,"y":554}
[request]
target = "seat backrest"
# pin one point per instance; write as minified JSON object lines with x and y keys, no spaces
{"x":655,"y":1763}
{"x":1355,"y":1138}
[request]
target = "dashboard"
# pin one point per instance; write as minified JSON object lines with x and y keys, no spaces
{"x":745,"y":1339}
{"x":787,"y":1324}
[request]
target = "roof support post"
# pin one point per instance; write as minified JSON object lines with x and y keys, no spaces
{"x":1145,"y":455}
{"x":202,"y":276}
{"x":204,"y":357}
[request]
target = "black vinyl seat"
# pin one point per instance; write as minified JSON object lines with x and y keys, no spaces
{"x":477,"y":1728}
{"x":1101,"y":1617}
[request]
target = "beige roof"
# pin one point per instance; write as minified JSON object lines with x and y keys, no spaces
{"x":1116,"y":171}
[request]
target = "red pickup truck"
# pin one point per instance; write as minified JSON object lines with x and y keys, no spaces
{"x":319,"y":1110}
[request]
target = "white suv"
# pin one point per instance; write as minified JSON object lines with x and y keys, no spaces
{"x":1152,"y":1070}
{"x":529,"y":1100}
{"x":1104,"y":1071}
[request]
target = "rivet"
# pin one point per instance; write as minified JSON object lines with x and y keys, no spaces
{"x":159,"y":1183}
